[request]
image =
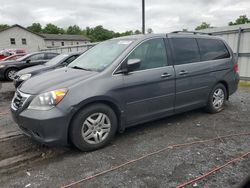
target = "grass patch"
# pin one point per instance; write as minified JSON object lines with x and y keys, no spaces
{"x":244,"y":84}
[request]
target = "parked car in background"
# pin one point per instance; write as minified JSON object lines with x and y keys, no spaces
{"x":123,"y":82}
{"x":13,"y":57}
{"x":9,"y":52}
{"x":57,"y":62}
{"x":8,"y":69}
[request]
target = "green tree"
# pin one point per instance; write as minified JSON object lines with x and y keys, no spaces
{"x":3,"y":26}
{"x":53,"y":29}
{"x":137,"y":32}
{"x":203,"y":25}
{"x":241,"y":20}
{"x":74,"y":30}
{"x":35,"y":27}
{"x":150,"y":30}
{"x":126,"y":33}
{"x":99,"y":33}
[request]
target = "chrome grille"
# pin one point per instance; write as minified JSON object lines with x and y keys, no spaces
{"x":19,"y":100}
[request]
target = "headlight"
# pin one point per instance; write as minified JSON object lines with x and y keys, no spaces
{"x":2,"y":66}
{"x":25,"y":77}
{"x":48,"y":100}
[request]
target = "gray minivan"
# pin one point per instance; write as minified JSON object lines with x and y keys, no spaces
{"x":123,"y":82}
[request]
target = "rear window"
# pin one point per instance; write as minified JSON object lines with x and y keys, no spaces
{"x":185,"y":50}
{"x":212,"y":49}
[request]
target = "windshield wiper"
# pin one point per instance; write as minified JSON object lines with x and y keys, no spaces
{"x":76,"y":67}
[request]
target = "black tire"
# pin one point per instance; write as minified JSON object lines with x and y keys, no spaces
{"x":211,"y":108}
{"x":7,"y":76}
{"x":77,"y":126}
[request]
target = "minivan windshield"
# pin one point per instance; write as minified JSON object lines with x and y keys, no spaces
{"x":56,"y":59}
{"x":101,"y":56}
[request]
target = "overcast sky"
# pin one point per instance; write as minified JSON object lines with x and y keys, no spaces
{"x":161,"y":15}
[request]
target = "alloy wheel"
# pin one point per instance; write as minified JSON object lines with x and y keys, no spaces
{"x":11,"y":74}
{"x":218,"y":98}
{"x":96,"y":128}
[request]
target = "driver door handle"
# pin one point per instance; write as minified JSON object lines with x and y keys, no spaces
{"x":165,"y":75}
{"x":183,"y":72}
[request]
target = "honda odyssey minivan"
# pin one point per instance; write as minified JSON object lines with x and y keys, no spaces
{"x":123,"y":82}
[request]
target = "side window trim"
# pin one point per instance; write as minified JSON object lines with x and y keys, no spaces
{"x":173,"y":51}
{"x":222,"y":43}
{"x":152,"y":68}
{"x":125,"y":59}
{"x":36,"y":59}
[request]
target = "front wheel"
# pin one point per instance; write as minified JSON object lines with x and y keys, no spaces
{"x":93,"y":127}
{"x":217,"y":99}
{"x":10,"y":74}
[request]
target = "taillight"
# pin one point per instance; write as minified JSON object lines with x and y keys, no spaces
{"x":236,"y":67}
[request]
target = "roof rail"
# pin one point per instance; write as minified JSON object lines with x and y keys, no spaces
{"x":192,"y":32}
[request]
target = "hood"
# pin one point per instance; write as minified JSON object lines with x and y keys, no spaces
{"x":10,"y":62}
{"x":56,"y":79}
{"x":34,"y":69}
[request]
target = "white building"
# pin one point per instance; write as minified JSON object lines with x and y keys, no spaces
{"x":17,"y":36}
{"x":55,"y":40}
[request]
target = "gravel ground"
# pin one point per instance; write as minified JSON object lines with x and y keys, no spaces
{"x":56,"y":167}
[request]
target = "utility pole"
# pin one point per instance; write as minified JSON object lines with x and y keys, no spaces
{"x":143,"y":16}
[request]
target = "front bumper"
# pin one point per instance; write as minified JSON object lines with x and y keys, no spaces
{"x":47,"y":127}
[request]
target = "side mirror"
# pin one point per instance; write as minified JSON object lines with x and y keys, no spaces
{"x":133,"y":64}
{"x":28,"y":61}
{"x":130,"y":65}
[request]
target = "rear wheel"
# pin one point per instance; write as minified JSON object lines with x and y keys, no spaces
{"x":93,"y":127}
{"x":217,"y":99}
{"x":10,"y":74}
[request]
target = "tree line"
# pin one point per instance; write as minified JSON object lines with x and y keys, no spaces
{"x":243,"y":19}
{"x":99,"y":33}
{"x":95,"y":34}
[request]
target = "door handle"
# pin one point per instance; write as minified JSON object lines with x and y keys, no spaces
{"x":165,"y":75}
{"x":183,"y":72}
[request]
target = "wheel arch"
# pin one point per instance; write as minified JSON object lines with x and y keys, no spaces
{"x":109,"y":103}
{"x":223,"y":82}
{"x":9,"y":68}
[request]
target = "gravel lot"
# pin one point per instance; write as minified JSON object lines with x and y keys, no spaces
{"x":26,"y":163}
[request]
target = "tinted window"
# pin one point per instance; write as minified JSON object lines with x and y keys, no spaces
{"x":36,"y":57}
{"x":185,"y":50}
{"x":50,"y":56}
{"x":152,"y":54}
{"x":57,"y":59}
{"x":69,"y":60}
{"x":212,"y":49}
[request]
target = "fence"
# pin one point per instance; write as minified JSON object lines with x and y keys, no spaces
{"x":69,"y":49}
